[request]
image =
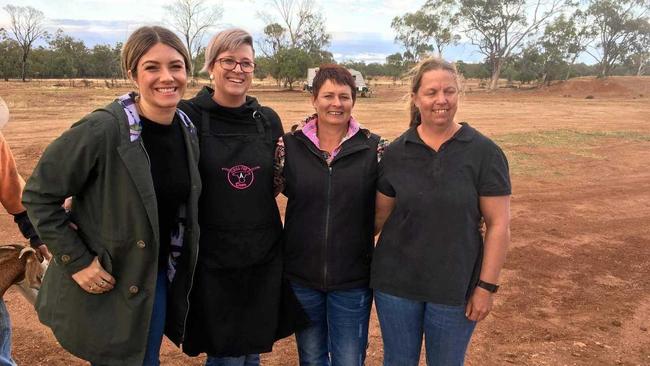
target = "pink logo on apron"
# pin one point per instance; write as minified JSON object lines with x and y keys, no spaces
{"x":240,"y":176}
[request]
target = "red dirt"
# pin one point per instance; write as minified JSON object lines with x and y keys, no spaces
{"x":575,"y":288}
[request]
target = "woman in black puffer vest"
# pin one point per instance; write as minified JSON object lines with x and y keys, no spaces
{"x":328,"y":170}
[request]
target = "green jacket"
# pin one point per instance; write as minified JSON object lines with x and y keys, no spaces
{"x":116,"y":213}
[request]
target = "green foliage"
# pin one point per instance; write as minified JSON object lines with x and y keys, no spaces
{"x":10,"y":60}
{"x":396,"y":65}
{"x":618,"y":26}
{"x":295,"y":43}
{"x":290,"y":65}
{"x":499,"y":28}
{"x":431,"y":27}
{"x":263,"y":67}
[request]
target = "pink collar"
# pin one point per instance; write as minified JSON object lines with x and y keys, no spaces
{"x":310,"y":129}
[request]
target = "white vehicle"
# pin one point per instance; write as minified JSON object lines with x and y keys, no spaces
{"x":362,"y":88}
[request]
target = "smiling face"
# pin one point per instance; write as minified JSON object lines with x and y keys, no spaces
{"x":333,"y":103}
{"x":437,"y":97}
{"x":161,"y":79}
{"x":230,"y":87}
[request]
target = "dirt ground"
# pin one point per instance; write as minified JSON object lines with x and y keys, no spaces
{"x":575,"y":288}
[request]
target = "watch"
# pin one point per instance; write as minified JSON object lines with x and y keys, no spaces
{"x":487,"y":286}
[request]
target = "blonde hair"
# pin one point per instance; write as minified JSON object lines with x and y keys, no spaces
{"x":223,"y":41}
{"x":141,"y":41}
{"x":428,"y":64}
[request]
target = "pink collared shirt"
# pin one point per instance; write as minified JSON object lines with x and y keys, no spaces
{"x":310,"y":129}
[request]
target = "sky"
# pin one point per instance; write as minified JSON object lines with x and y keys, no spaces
{"x":360,"y":29}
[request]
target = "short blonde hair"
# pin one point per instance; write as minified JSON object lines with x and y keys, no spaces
{"x":428,"y":64}
{"x":143,"y":39}
{"x":223,"y":41}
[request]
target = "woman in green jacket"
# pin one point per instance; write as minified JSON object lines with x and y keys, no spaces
{"x":131,"y":168}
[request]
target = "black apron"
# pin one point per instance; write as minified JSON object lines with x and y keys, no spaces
{"x":237,"y":299}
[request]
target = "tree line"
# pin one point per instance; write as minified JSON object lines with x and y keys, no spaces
{"x":535,"y":39}
{"x":522,"y":40}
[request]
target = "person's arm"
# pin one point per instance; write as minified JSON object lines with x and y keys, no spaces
{"x":383,"y":207}
{"x":496,"y":211}
{"x":11,"y":188}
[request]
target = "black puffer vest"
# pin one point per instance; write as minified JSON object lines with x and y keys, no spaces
{"x":329,"y":222}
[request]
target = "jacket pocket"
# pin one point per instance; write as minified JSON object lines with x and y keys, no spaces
{"x":238,"y":247}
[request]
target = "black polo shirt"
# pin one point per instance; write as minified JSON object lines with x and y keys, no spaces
{"x":430,"y":248}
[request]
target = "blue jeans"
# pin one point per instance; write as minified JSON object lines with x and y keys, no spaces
{"x":157,"y":325}
{"x":247,"y":360}
{"x":338,"y":333}
{"x":5,"y":336}
{"x":446,"y":329}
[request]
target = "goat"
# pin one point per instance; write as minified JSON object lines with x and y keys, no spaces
{"x":21,"y":266}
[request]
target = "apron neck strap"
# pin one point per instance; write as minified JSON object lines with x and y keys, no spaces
{"x":258,"y":117}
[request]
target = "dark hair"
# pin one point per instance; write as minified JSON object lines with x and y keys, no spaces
{"x":429,"y":64}
{"x":336,"y":74}
{"x":143,"y":39}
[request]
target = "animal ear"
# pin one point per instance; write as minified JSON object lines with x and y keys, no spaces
{"x":25,"y":251}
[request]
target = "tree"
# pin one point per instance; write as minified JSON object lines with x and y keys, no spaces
{"x":26,"y":26}
{"x":617,"y":25}
{"x":499,"y":27}
{"x":10,"y":60}
{"x":291,"y":65}
{"x":299,"y":32}
{"x":563,"y":41}
{"x":533,"y":64}
{"x":274,"y":39}
{"x":428,"y":28}
{"x":639,"y":58}
{"x":300,"y":25}
{"x":69,"y":57}
{"x":192,"y":18}
{"x":396,"y":65}
{"x":104,"y":60}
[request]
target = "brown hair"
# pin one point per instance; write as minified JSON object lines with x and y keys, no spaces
{"x":223,"y":41}
{"x":141,"y":41}
{"x":336,"y":74}
{"x":429,"y":64}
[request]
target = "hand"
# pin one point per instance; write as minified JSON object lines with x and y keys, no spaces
{"x":67,"y":204}
{"x":45,"y":252}
{"x":481,"y":227}
{"x":479,"y":304}
{"x":94,"y":279}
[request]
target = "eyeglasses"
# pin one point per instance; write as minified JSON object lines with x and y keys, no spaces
{"x":230,"y":64}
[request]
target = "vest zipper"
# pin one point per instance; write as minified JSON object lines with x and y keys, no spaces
{"x":327,"y":225}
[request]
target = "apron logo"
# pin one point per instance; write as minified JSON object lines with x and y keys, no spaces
{"x":240,"y":176}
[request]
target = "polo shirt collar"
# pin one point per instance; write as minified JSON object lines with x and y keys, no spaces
{"x":465,"y":134}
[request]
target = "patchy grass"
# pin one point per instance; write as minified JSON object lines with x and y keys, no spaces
{"x":529,"y":152}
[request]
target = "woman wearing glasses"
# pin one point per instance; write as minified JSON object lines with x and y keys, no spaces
{"x":237,"y":295}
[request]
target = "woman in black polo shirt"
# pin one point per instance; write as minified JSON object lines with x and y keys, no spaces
{"x":432,"y":272}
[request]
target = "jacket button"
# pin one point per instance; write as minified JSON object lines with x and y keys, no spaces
{"x":65,"y":258}
{"x":134,"y":289}
{"x":141,"y":244}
